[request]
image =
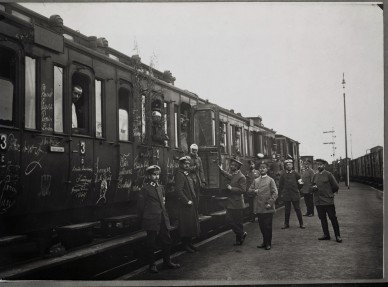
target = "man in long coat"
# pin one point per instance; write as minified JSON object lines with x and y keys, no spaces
{"x":188,"y":209}
{"x":324,"y":188}
{"x":155,"y":220}
{"x":289,"y":189}
{"x":236,"y":188}
{"x":196,"y":170}
{"x":307,"y":189}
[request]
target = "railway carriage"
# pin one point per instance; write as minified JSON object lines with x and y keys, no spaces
{"x":66,"y":162}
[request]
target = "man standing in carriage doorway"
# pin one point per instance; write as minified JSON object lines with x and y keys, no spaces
{"x":289,"y":184}
{"x":235,"y":204}
{"x":196,"y":171}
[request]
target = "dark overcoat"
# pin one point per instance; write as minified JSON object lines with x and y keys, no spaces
{"x":187,"y":214}
{"x":238,"y":183}
{"x":151,"y":207}
{"x":288,"y":186}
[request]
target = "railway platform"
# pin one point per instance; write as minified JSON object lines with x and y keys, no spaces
{"x":296,"y":254}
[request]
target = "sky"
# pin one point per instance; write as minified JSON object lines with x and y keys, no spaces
{"x":282,"y":61}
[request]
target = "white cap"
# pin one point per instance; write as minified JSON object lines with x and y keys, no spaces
{"x":260,"y":155}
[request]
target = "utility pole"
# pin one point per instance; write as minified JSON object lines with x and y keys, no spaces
{"x":332,"y":142}
{"x":346,"y":137}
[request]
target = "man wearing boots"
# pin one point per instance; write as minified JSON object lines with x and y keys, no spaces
{"x":289,"y":184}
{"x":155,"y":220}
{"x":188,"y":204}
{"x":235,"y":188}
{"x":325,"y":186}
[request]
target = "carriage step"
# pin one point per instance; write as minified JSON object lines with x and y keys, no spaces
{"x":7,"y":240}
{"x":76,"y":234}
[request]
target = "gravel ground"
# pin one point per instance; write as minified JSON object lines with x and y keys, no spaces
{"x":296,"y":254}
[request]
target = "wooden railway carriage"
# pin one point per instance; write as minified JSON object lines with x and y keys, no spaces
{"x":367,"y":168}
{"x":80,"y":122}
{"x":128,"y":117}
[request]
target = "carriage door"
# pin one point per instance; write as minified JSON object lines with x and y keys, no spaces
{"x":205,"y":135}
{"x":10,"y":63}
{"x":82,"y":130}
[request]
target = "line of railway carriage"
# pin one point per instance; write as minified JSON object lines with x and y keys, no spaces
{"x":130,"y":116}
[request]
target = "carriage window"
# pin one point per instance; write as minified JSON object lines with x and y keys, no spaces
{"x":125,"y":102}
{"x":223,"y":137}
{"x":204,"y":128}
{"x":8,"y":65}
{"x":166,"y":122}
{"x":30,"y":93}
{"x":98,"y":91}
{"x":143,"y":118}
{"x":230,"y":138}
{"x":251,"y":144}
{"x":176,"y":125}
{"x":246,"y":134}
{"x":80,"y":102}
{"x":58,"y":99}
{"x":185,"y":114}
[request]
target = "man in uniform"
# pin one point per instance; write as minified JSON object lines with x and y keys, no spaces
{"x":324,"y":187}
{"x":196,"y":171}
{"x":289,"y":189}
{"x":236,"y":187}
{"x":155,"y":220}
{"x":307,"y":188}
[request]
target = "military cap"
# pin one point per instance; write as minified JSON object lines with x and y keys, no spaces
{"x":307,"y":161}
{"x":152,"y":168}
{"x":236,"y":161}
{"x":193,"y":146}
{"x":288,"y":161}
{"x":184,"y":158}
{"x":319,"y":160}
{"x":263,"y":162}
{"x":260,"y":155}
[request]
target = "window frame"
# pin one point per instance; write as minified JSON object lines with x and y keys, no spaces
{"x":129,"y":88}
{"x":54,"y":65}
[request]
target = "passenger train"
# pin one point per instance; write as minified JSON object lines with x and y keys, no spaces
{"x":55,"y":173}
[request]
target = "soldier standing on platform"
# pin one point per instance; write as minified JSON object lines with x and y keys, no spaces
{"x":324,"y":188}
{"x":307,"y":188}
{"x":235,"y":204}
{"x":250,"y":177}
{"x":155,"y":220}
{"x":265,"y":194}
{"x":188,"y":209}
{"x":289,"y":189}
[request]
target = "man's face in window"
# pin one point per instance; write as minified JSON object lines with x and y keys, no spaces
{"x":77,"y":93}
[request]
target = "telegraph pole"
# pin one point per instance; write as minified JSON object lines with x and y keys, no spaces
{"x":332,"y":142}
{"x":346,"y":137}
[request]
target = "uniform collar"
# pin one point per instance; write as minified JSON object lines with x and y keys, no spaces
{"x":264,"y":175}
{"x":289,"y":171}
{"x":155,"y":184}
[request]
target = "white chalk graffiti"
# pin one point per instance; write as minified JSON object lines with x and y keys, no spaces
{"x":32,"y":166}
{"x":45,"y":183}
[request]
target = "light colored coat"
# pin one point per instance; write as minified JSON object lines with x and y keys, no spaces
{"x":327,"y":186}
{"x":265,"y":192}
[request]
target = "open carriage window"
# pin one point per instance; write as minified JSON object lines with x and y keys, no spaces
{"x":223,"y":140}
{"x":204,"y":128}
{"x":185,"y":114}
{"x":158,"y":120}
{"x":8,"y":61}
{"x":125,"y":107}
{"x":80,"y":93}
